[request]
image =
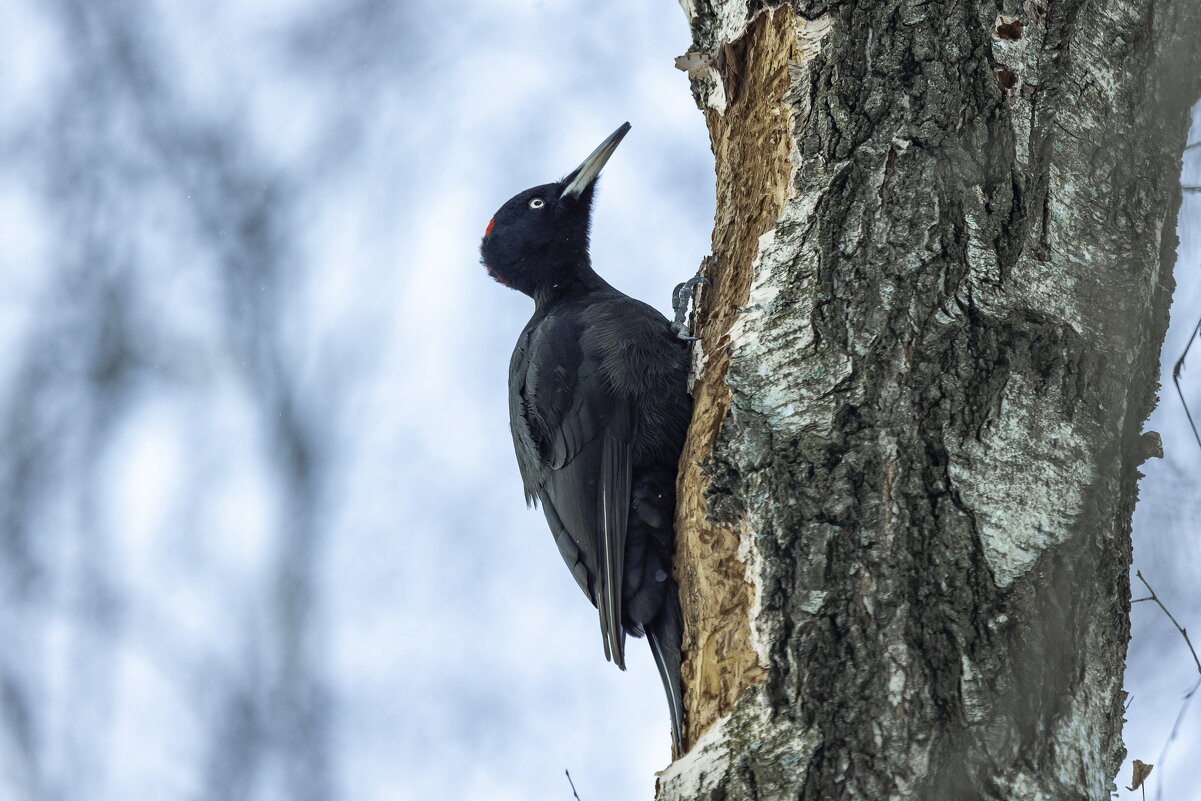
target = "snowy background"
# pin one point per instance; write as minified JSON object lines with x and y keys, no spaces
{"x":261,"y":530}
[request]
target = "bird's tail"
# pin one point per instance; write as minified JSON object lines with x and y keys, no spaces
{"x":664,"y":635}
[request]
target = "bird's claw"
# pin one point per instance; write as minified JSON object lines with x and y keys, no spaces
{"x":679,"y":304}
{"x":680,"y":293}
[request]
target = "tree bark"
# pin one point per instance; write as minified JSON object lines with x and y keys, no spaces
{"x":940,"y":278}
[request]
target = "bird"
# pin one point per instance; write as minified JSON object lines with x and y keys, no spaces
{"x":598,"y":409}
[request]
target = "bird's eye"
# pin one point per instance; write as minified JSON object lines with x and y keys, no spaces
{"x":537,"y":203}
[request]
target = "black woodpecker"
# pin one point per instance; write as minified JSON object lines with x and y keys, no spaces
{"x":598,"y":406}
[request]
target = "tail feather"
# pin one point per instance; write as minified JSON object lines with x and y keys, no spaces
{"x":664,"y":635}
{"x":614,"y":505}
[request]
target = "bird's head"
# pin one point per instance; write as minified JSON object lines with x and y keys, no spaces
{"x":538,"y":241}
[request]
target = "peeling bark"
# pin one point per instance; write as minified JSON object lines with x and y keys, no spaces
{"x":941,"y":272}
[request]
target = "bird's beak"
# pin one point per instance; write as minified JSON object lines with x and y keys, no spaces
{"x":583,"y":176}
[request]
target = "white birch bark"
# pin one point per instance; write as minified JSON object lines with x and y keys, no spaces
{"x":941,"y":272}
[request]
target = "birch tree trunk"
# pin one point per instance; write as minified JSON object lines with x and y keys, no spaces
{"x":941,"y":275}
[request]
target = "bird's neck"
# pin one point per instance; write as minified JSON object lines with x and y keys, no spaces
{"x":566,"y":284}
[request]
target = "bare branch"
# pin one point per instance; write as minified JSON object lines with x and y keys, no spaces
{"x":1189,"y":695}
{"x":1188,"y":698}
{"x":1181,"y":629}
{"x":1176,"y":370}
{"x":569,"y":781}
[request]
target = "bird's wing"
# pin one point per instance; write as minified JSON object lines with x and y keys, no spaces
{"x":574,"y":441}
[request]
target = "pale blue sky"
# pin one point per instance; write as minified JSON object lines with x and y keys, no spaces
{"x":267,"y":215}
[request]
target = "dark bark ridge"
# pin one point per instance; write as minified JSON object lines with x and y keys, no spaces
{"x":938,"y":375}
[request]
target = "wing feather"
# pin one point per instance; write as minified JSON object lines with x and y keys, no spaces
{"x":574,"y":440}
{"x":614,"y":514}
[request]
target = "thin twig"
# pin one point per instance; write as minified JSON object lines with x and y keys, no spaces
{"x":569,"y":781}
{"x":1181,"y":629}
{"x":1193,"y":146}
{"x":1176,"y":380}
{"x":1191,"y":188}
{"x":1188,"y":696}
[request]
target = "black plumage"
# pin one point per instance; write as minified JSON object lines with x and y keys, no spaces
{"x":598,"y":408}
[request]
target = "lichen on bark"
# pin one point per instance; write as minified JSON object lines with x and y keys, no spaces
{"x":940,"y":277}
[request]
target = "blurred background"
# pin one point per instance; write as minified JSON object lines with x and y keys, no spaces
{"x":261,"y":530}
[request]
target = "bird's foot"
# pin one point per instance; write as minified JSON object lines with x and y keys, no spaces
{"x":680,"y":297}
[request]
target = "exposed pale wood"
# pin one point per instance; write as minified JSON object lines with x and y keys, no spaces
{"x":751,"y":142}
